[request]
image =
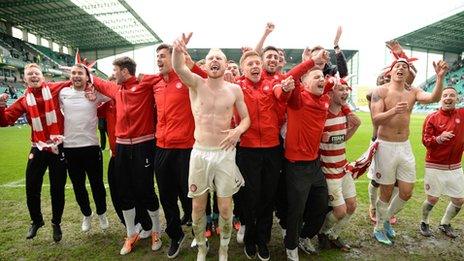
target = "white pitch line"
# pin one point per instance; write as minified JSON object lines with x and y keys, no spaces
{"x":368,"y":180}
{"x":16,"y":184}
{"x":20,"y":184}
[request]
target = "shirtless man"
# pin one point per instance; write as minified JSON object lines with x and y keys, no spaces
{"x":212,"y":162}
{"x":391,"y":107}
{"x":384,"y":78}
{"x":373,"y":187}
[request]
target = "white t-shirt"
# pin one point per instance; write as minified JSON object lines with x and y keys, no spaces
{"x":80,"y":118}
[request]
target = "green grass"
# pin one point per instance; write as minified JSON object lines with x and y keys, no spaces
{"x":98,"y":245}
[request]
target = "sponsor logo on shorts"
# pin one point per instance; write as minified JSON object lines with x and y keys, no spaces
{"x":378,"y":175}
{"x":427,"y":186}
{"x":238,"y":183}
{"x":331,"y":198}
{"x":458,"y":121}
{"x":133,"y":89}
{"x":31,"y":156}
{"x":178,"y":85}
{"x":193,"y":187}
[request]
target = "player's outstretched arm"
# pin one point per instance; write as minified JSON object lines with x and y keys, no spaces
{"x":178,"y":62}
{"x":441,"y":67}
{"x":267,"y":31}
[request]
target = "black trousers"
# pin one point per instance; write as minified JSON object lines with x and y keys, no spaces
{"x":281,"y":196}
{"x":237,"y":198}
{"x":135,"y":176}
{"x":306,"y":189}
{"x":35,"y":171}
{"x":141,"y":215}
{"x":260,"y":168}
{"x":172,"y":171}
{"x":82,"y":161}
{"x":102,"y":130}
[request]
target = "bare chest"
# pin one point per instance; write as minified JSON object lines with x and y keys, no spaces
{"x":217,"y":101}
{"x":394,"y":97}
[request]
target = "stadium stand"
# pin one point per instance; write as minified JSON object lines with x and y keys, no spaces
{"x":94,"y":28}
{"x":446,"y":37}
{"x":293,"y":57}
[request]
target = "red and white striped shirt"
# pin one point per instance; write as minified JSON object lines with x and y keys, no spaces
{"x":333,"y":158}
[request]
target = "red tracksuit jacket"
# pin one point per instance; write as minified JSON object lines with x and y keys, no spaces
{"x":108,"y":111}
{"x":175,"y":124}
{"x":448,"y":155}
{"x":134,"y":109}
{"x":261,"y":101}
{"x":306,"y":115}
{"x":297,"y":71}
{"x":174,"y":119}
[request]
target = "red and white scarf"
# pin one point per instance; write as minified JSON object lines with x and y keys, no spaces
{"x":359,"y":167}
{"x":43,"y":142}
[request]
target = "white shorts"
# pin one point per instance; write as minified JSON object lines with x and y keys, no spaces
{"x":340,"y":189}
{"x":371,"y":170}
{"x":444,"y":182}
{"x":394,"y":161}
{"x":213,"y":169}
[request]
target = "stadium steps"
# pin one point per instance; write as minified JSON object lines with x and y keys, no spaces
{"x":430,"y":84}
{"x":33,"y":47}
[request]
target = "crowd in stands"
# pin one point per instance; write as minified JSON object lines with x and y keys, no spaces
{"x":11,"y":82}
{"x":455,"y":78}
{"x":22,"y":51}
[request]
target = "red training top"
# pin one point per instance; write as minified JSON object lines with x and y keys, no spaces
{"x":448,"y":155}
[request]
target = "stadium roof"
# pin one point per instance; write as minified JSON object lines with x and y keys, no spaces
{"x":293,"y":56}
{"x":84,"y":24}
{"x":446,"y":35}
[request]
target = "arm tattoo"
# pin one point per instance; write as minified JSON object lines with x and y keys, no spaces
{"x":375,"y":97}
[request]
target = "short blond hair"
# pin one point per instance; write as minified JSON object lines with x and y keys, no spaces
{"x":216,"y":50}
{"x":32,"y":65}
{"x":247,"y":54}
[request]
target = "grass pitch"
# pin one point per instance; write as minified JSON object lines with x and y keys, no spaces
{"x":100,"y":245}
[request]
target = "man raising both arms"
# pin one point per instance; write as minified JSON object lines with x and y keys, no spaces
{"x":391,"y":107}
{"x":212,"y":162}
